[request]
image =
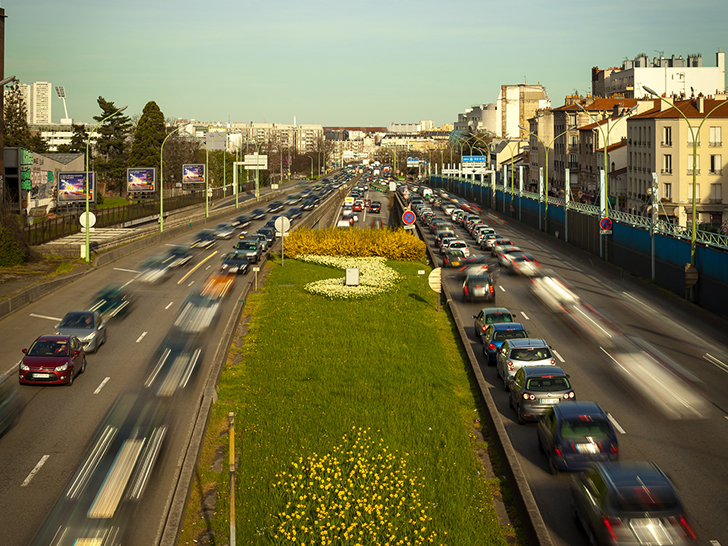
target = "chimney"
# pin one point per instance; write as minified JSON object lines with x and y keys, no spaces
{"x":700,"y":104}
{"x":666,"y":104}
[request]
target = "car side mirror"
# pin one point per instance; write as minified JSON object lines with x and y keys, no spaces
{"x":76,"y":352}
{"x":57,"y":325}
{"x":25,"y":351}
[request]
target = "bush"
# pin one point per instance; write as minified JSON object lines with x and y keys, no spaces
{"x":355,"y":242}
{"x":13,"y":250}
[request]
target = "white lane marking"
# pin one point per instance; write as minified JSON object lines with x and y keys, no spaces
{"x":33,"y":472}
{"x":169,"y":305}
{"x":191,"y":283}
{"x":13,"y":368}
{"x":141,"y":337}
{"x":714,"y":543}
{"x":637,"y":300}
{"x":44,"y":316}
{"x":557,"y":355}
{"x":126,"y":270}
{"x":502,"y":289}
{"x":127,"y":283}
{"x":715,"y":362}
{"x":615,"y":424}
{"x":98,"y":389}
{"x":208,"y":267}
{"x":525,"y":315}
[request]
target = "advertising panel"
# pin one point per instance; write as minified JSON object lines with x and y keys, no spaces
{"x":193,"y":173}
{"x":141,"y":179}
{"x":72,"y":187}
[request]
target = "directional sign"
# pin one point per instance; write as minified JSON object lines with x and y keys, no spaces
{"x":471,"y":159}
{"x":408,"y":218}
{"x":605,"y":224}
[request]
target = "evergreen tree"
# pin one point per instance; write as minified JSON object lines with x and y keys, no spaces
{"x":38,"y":144}
{"x":17,"y":130}
{"x":148,"y":137}
{"x":112,"y":146}
{"x":78,"y":141}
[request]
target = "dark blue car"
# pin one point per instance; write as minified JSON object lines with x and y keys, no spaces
{"x":575,"y":435}
{"x":496,"y":334}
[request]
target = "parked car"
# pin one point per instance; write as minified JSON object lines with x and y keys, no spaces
{"x":575,"y":435}
{"x":521,"y":352}
{"x":536,"y":389}
{"x":52,"y":360}
{"x":491,"y":315}
{"x":250,"y":248}
{"x":630,"y":503}
{"x":496,"y":334}
{"x":479,"y":286}
{"x":235,"y":262}
{"x":88,"y":326}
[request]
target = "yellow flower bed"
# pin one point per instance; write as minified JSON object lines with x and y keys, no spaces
{"x":358,"y":243}
{"x":360,"y":493}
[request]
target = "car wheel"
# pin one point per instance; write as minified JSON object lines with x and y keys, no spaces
{"x":70,"y":379}
{"x":83,"y":366}
{"x":552,"y":466}
{"x":521,"y":420}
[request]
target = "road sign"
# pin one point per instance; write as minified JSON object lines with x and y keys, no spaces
{"x":282,"y":224}
{"x":450,"y":171}
{"x":435,"y":279}
{"x":413,"y":162}
{"x":472,"y":160}
{"x":408,"y":218}
{"x":724,"y":228}
{"x":91,"y":219}
{"x":605,"y":224}
{"x":691,"y":276}
{"x":474,"y":170}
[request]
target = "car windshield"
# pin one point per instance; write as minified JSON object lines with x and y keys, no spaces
{"x":584,"y":427}
{"x":547,"y":384}
{"x":247,"y":245}
{"x":232,"y":256}
{"x":530,"y":354}
{"x":45,"y":347}
{"x":509,"y":334}
{"x":77,"y":320}
{"x":646,"y":498}
{"x":494,"y":318}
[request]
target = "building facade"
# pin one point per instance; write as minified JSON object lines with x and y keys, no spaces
{"x":515,"y":105}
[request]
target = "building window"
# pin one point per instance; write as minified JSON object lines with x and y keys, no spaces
{"x":667,"y":164}
{"x":690,"y":164}
{"x":697,"y":193}
{"x":572,"y":141}
{"x":667,"y":136}
{"x":716,"y":164}
{"x":573,"y":161}
{"x":716,"y":193}
{"x":716,"y":139}
{"x":690,"y":139}
{"x":667,"y":193}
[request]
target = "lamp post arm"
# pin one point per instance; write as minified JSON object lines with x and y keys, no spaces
{"x":161,"y":179}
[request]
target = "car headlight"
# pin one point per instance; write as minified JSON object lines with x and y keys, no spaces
{"x":24,"y":367}
{"x":90,"y":336}
{"x":233,"y":270}
{"x":224,"y":266}
{"x":61,"y":368}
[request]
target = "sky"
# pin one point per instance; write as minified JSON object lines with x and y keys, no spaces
{"x":337,"y":62}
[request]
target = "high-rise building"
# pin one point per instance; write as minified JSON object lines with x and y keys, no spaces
{"x":37,"y":100}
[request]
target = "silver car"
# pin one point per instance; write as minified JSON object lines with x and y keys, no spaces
{"x":516,"y":353}
{"x":87,"y":326}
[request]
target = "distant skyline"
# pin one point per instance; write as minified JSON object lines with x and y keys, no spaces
{"x":336,"y":62}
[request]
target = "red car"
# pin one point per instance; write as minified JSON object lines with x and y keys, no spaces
{"x":52,"y":360}
{"x":357,"y":206}
{"x":375,"y":207}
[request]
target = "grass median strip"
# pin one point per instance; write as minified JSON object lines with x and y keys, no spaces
{"x":355,"y":423}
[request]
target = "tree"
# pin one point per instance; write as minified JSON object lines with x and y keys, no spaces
{"x":148,"y":137}
{"x":112,"y":146}
{"x":38,"y":144}
{"x":78,"y":141}
{"x":17,"y":130}
{"x":179,"y":150}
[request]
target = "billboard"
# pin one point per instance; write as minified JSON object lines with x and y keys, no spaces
{"x":72,"y":187}
{"x":141,"y":179}
{"x":193,"y":173}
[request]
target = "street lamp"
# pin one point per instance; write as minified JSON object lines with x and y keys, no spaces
{"x":694,"y":134}
{"x":88,"y":142}
{"x":161,"y":179}
{"x":311,"y":158}
{"x":546,"y":151}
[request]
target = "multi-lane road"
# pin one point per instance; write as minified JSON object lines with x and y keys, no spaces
{"x":691,"y":451}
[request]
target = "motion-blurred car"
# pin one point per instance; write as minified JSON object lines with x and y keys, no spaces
{"x":630,"y":503}
{"x":218,"y":285}
{"x":491,"y":315}
{"x":257,"y":214}
{"x":503,"y":252}
{"x":242,"y":221}
{"x":88,"y":326}
{"x":52,"y":360}
{"x":453,"y":258}
{"x":235,"y":262}
{"x":575,"y":435}
{"x":523,"y":264}
{"x":499,"y":242}
{"x":155,"y":270}
{"x":112,"y":301}
{"x":205,"y":239}
{"x":536,"y":389}
{"x":97,"y":505}
{"x":178,"y":256}
{"x":479,"y":286}
{"x":275,"y":206}
{"x":224,"y":230}
{"x":249,"y":248}
{"x":516,"y":353}
{"x":9,"y":402}
{"x":294,"y":213}
{"x":496,"y":334}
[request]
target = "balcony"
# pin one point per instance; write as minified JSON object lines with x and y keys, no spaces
{"x":715,"y":144}
{"x":690,"y":171}
{"x":715,"y":200}
{"x":718,"y":172}
{"x":667,"y":144}
{"x":665,"y":171}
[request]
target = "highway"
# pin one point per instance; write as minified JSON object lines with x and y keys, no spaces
{"x":691,"y":451}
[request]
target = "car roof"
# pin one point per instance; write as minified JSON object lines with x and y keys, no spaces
{"x":54,"y":337}
{"x":508,"y":326}
{"x":490,"y":310}
{"x":579,"y":407}
{"x":527,"y":342}
{"x":634,"y":474}
{"x":540,"y":371}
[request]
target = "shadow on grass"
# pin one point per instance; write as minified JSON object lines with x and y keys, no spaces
{"x":417,"y":297}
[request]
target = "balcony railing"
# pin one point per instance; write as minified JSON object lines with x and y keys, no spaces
{"x":713,"y":144}
{"x":667,"y":144}
{"x":715,"y":200}
{"x":690,"y":171}
{"x":719,"y":172}
{"x":665,"y":171}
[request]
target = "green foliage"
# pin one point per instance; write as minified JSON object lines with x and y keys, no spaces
{"x":17,"y":130}
{"x":148,"y":138}
{"x":220,"y":170}
{"x":13,"y":250}
{"x":78,"y":141}
{"x":393,"y":245}
{"x":111,"y":147}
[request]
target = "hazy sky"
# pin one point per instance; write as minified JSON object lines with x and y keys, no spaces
{"x":337,"y":62}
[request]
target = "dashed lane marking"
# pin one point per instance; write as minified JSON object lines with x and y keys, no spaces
{"x":502,"y":289}
{"x":33,"y":472}
{"x":44,"y":317}
{"x":715,"y":362}
{"x":525,"y":315}
{"x":615,"y":424}
{"x":141,"y":337}
{"x":104,"y":382}
{"x":126,"y":270}
{"x":558,"y":355}
{"x":169,"y":305}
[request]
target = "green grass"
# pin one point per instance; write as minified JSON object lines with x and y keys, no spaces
{"x":318,"y":374}
{"x":110,"y":202}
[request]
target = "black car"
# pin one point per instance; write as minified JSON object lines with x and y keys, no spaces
{"x":630,"y":503}
{"x":257,"y":214}
{"x":235,"y":262}
{"x":112,"y":301}
{"x":270,"y":234}
{"x":453,"y":258}
{"x":294,"y":213}
{"x":251,"y":248}
{"x":205,"y":239}
{"x":275,"y":206}
{"x":178,"y":256}
{"x":242,"y":221}
{"x":575,"y":435}
{"x":375,"y":207}
{"x":479,"y":286}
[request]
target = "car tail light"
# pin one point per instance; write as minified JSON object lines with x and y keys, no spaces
{"x":553,"y":362}
{"x":569,"y":395}
{"x":491,"y":289}
{"x":682,"y":527}
{"x":510,"y":365}
{"x":492,"y":347}
{"x":465,"y":290}
{"x":559,"y":452}
{"x":610,"y":524}
{"x":614,"y":450}
{"x":527,"y":396}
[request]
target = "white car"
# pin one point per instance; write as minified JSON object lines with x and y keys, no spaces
{"x":459,"y":244}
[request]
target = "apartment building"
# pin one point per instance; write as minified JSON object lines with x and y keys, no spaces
{"x":479,"y":117}
{"x":37,"y":99}
{"x":661,"y":141}
{"x":540,"y":148}
{"x":515,"y":105}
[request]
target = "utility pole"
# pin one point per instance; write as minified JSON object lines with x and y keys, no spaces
{"x":2,"y":108}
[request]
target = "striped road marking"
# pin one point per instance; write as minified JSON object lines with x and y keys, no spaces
{"x":525,"y":315}
{"x":98,"y":389}
{"x":141,"y":337}
{"x":615,"y":424}
{"x":557,"y":355}
{"x":33,"y":472}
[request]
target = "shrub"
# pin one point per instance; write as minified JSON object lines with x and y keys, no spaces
{"x":13,"y":250}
